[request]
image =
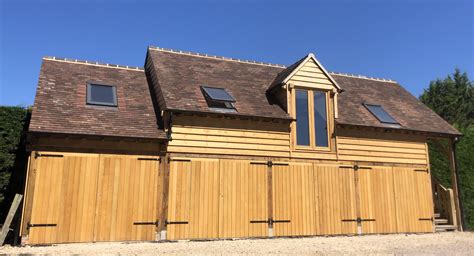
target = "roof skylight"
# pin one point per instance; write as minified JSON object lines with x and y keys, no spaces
{"x":218,"y":99}
{"x":379,"y":112}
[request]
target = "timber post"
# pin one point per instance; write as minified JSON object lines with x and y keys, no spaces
{"x":164,"y":201}
{"x":455,"y":182}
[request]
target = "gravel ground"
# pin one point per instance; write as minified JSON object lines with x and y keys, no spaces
{"x":452,"y":243}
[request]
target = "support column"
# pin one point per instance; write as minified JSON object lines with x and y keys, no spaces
{"x":455,"y":182}
{"x":161,"y":230}
{"x":270,"y":199}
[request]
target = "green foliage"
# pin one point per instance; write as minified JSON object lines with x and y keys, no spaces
{"x":465,"y":157}
{"x":452,"y":99}
{"x":12,"y":121}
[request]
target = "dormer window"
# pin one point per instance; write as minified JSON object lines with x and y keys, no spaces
{"x":100,"y":94}
{"x":379,"y":112}
{"x":311,"y":118}
{"x":218,"y":99}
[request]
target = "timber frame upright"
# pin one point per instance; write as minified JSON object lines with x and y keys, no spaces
{"x":453,"y":164}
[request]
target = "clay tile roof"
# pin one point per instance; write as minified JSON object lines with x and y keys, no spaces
{"x":179,"y":77}
{"x":399,"y":103}
{"x":284,"y":73}
{"x":60,"y":103}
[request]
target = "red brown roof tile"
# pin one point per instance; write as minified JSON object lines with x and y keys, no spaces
{"x":60,"y":103}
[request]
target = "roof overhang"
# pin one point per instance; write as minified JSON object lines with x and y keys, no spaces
{"x":311,"y":56}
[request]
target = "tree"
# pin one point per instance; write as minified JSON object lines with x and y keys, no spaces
{"x":452,"y":99}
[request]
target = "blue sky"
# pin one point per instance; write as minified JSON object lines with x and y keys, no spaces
{"x":412,"y":42}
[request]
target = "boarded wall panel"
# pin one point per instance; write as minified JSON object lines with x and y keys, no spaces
{"x":230,"y":137}
{"x":294,"y":200}
{"x":377,"y":200}
{"x":128,"y":190}
{"x":383,"y":150}
{"x":335,"y":199}
{"x":413,"y":200}
{"x":194,"y":198}
{"x":65,"y":195}
{"x":243,"y":198}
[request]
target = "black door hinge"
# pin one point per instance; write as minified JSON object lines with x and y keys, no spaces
{"x":358,"y":220}
{"x":46,"y":155}
{"x":155,"y":223}
{"x":175,"y":222}
{"x":29,"y":225}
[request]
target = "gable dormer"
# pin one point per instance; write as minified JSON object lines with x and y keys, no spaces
{"x":311,"y":99}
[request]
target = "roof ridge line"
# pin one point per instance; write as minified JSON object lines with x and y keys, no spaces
{"x":363,"y":77}
{"x":93,"y":63}
{"x":204,"y":55}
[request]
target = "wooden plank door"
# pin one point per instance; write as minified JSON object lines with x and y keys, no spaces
{"x":335,"y":200}
{"x":413,"y":200}
{"x":377,"y":200}
{"x":193,"y":206}
{"x":294,"y":209}
{"x":64,"y":198}
{"x":127,"y":198}
{"x":243,"y":204}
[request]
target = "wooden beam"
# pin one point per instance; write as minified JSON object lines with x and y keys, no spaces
{"x":164,"y":201}
{"x":8,"y":220}
{"x":455,"y":184}
{"x":29,"y":192}
{"x":270,"y":199}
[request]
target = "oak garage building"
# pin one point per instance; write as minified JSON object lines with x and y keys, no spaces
{"x":197,"y":147}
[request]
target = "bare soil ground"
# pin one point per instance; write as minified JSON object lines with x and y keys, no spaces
{"x":451,"y":243}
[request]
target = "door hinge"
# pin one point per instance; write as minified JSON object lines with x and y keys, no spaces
{"x":155,"y":223}
{"x":30,"y":225}
{"x":149,"y":159}
{"x":46,"y":155}
{"x":270,"y":221}
{"x":175,"y":222}
{"x":358,"y":220}
{"x":422,"y":170}
{"x":428,"y":219}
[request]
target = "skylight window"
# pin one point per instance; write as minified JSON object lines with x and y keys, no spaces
{"x":379,"y":112}
{"x":218,"y":98}
{"x":99,"y":94}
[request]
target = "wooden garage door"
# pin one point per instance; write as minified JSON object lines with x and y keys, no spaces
{"x":211,"y":198}
{"x":394,"y":199}
{"x":336,"y":200}
{"x":313,"y":200}
{"x":127,"y":198}
{"x":92,"y":197}
{"x":243,"y":205}
{"x":64,"y":198}
{"x":413,"y":199}
{"x":377,"y":200}
{"x":294,"y":209}
{"x":193,"y":199}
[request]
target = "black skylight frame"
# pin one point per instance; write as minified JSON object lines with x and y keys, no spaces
{"x":218,"y":98}
{"x":217,"y":94}
{"x":380,"y":113}
{"x":90,"y":101}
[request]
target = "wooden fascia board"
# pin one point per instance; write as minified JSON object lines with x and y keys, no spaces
{"x":308,"y":57}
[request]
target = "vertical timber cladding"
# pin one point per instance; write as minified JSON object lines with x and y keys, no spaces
{"x":92,"y":197}
{"x":413,"y":199}
{"x":127,"y":198}
{"x":395,"y":199}
{"x":64,"y":198}
{"x":193,"y":199}
{"x":211,"y":198}
{"x":310,"y":199}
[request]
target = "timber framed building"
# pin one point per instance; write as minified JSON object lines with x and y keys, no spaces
{"x":194,"y":146}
